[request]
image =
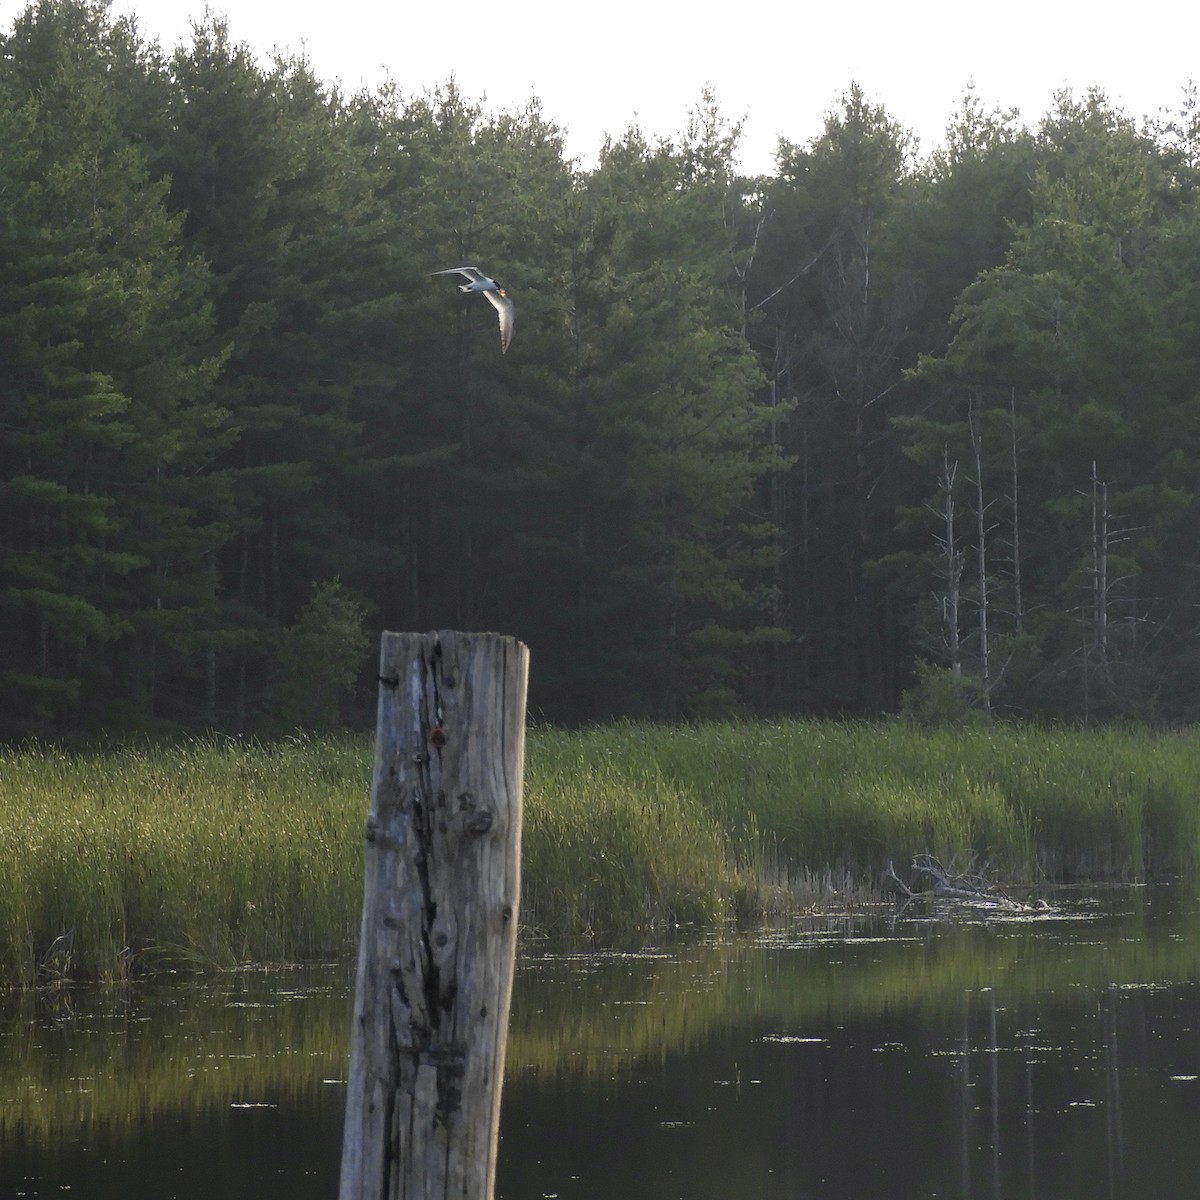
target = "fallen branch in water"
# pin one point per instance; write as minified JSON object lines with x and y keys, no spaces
{"x":967,"y":888}
{"x":893,"y":883}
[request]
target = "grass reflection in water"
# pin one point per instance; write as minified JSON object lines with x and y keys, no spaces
{"x":119,"y":1054}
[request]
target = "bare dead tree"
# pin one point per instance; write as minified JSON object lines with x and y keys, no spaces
{"x":1099,"y":564}
{"x":952,"y":564}
{"x":1018,"y":604}
{"x":981,"y":532}
{"x":1101,"y":612}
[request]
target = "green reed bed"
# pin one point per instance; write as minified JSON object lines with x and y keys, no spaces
{"x":613,"y":843}
{"x":209,"y":853}
{"x":218,"y":852}
{"x":1035,"y":803}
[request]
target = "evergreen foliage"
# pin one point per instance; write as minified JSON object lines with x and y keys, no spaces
{"x":708,"y":478}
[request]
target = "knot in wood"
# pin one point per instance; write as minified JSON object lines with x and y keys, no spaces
{"x":437,"y":737}
{"x":480,"y":822}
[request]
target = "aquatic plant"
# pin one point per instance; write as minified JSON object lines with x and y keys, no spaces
{"x":219,"y":852}
{"x":208,"y":853}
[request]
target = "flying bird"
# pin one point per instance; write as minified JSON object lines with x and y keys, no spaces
{"x":479,"y":282}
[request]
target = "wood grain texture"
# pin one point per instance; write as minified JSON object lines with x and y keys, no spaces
{"x":438,"y":940}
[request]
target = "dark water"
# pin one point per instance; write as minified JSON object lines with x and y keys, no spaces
{"x":869,"y":1059}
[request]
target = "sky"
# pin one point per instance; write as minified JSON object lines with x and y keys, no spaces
{"x":598,"y":68}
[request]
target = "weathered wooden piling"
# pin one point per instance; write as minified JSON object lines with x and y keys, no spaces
{"x":440,"y":893}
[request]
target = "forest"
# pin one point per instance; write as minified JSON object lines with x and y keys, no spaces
{"x":874,"y":433}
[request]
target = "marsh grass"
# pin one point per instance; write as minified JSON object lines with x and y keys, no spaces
{"x":610,"y":844}
{"x":209,"y":853}
{"x":216,"y":852}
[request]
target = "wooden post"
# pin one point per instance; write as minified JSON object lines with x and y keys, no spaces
{"x":439,"y":920}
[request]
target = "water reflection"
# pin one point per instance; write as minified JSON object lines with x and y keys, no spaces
{"x":869,"y":1058}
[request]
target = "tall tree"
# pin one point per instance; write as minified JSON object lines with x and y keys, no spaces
{"x":837,"y":297}
{"x":278,"y":193}
{"x":106,"y":391}
{"x":1067,"y":326}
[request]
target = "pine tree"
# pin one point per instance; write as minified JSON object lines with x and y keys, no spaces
{"x":271,"y":175}
{"x":837,"y":296}
{"x":106,"y":388}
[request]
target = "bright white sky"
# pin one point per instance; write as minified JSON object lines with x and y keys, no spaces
{"x":598,"y":68}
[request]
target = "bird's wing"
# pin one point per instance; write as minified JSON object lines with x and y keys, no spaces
{"x":507,"y":312}
{"x":471,"y":273}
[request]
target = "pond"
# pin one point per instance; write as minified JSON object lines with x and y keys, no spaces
{"x":877,"y":1058}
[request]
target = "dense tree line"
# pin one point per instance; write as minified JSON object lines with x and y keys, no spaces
{"x":873,"y":427}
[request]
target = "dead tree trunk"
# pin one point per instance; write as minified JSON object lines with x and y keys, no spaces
{"x":1100,"y":544}
{"x":952,"y":559}
{"x":441,"y":886}
{"x":981,"y":532}
{"x":1018,"y":601}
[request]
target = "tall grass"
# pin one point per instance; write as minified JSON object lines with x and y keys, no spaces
{"x":219,"y":852}
{"x":211,"y":852}
{"x":1051,"y":803}
{"x":610,"y":841}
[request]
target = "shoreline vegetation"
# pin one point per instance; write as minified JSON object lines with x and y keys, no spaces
{"x":214,"y":853}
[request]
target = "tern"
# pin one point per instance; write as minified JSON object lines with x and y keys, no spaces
{"x":498,"y":297}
